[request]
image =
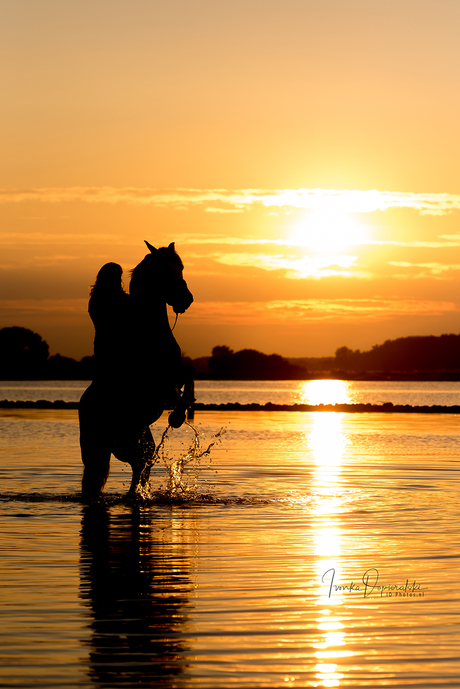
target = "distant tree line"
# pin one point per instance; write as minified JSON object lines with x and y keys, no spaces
{"x":249,"y":364}
{"x":412,"y":357}
{"x":408,"y":354}
{"x":24,"y":355}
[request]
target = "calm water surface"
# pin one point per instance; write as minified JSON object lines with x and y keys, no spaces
{"x":313,"y":550}
{"x":263,"y":391}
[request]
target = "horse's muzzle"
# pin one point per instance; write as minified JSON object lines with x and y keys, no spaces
{"x":182,"y":299}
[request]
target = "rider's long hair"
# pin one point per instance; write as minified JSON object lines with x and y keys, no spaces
{"x":108,"y":280}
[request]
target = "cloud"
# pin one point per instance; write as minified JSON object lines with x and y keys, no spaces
{"x":33,"y":307}
{"x":296,"y":267}
{"x":416,"y":244}
{"x":452,"y":241}
{"x":296,"y":310}
{"x":263,"y":311}
{"x":223,"y":210}
{"x":218,"y":239}
{"x":36,"y":313}
{"x":224,"y":200}
{"x":427,"y":269}
{"x":47,"y":261}
{"x":48,"y":238}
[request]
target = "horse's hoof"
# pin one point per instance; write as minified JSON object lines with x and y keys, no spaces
{"x":177,"y":418}
{"x":88,"y":498}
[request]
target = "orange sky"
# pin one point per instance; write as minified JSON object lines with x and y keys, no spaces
{"x":302,"y":154}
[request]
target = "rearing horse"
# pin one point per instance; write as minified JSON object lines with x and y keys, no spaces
{"x":139,"y":371}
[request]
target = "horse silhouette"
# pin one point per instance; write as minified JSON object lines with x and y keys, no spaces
{"x":139,"y":371}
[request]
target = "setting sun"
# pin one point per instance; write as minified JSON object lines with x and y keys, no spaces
{"x":329,"y":231}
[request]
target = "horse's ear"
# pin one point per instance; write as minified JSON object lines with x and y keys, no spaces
{"x":171,"y":247}
{"x":150,"y":247}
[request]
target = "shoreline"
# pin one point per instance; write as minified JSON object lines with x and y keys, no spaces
{"x":387,"y":407}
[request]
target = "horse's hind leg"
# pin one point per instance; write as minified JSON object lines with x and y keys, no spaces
{"x":142,"y":460}
{"x":95,"y":451}
{"x":96,"y":471}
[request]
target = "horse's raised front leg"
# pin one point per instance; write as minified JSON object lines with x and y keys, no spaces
{"x":137,"y":449}
{"x":147,"y":457}
{"x":186,"y":398}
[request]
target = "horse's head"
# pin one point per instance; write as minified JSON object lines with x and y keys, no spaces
{"x":159,"y":275}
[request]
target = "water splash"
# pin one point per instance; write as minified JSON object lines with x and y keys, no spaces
{"x":183,"y":472}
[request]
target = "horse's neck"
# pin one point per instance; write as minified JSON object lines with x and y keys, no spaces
{"x":151,"y":318}
{"x":156,"y":311}
{"x":155,"y":354}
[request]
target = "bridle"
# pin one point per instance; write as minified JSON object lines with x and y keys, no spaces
{"x":175,"y":322}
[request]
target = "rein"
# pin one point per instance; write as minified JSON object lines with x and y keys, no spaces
{"x":175,"y":322}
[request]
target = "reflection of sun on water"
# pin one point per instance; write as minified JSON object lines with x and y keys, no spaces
{"x":328,"y":443}
{"x":327,"y":440}
{"x":324,"y":392}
